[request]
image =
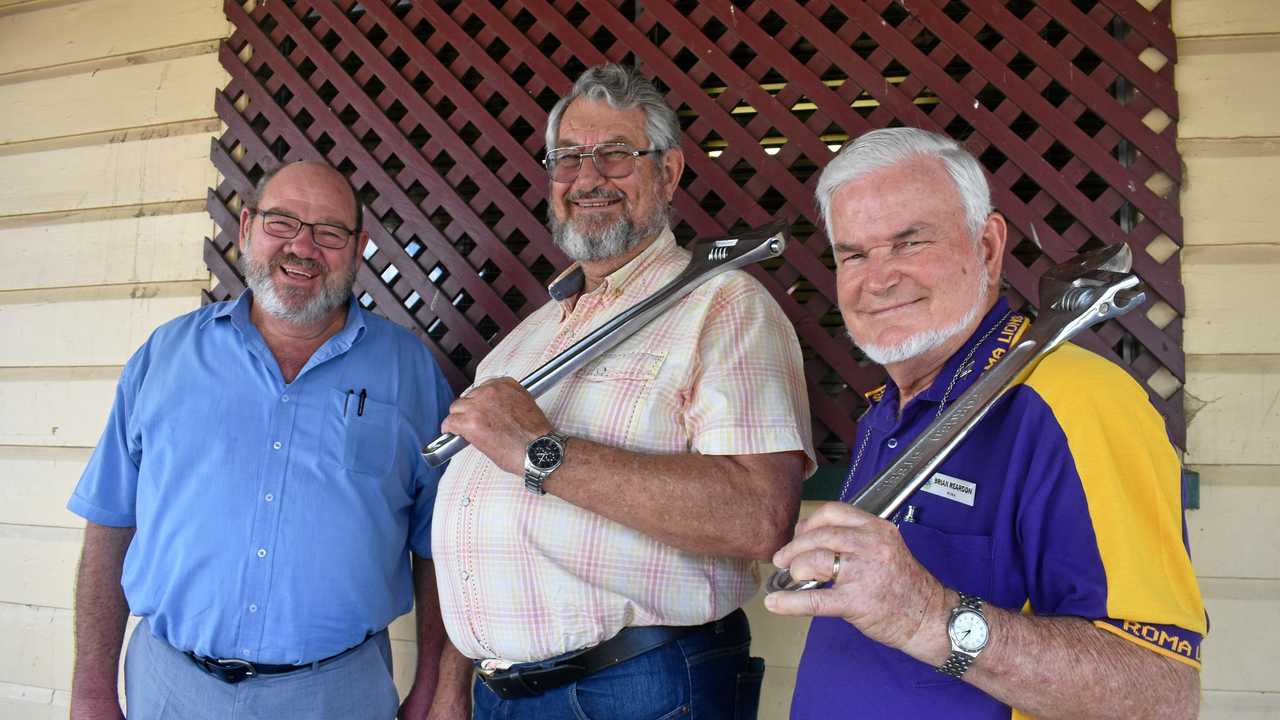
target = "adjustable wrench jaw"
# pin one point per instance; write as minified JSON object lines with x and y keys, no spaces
{"x":1089,"y":289}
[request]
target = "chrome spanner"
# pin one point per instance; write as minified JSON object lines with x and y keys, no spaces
{"x":1074,"y":295}
{"x":709,"y":258}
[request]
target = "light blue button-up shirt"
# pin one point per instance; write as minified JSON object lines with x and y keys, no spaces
{"x":274,"y":521}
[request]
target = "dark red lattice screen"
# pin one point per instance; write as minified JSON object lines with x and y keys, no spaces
{"x":435,"y":110}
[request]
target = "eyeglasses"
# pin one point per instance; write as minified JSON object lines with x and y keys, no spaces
{"x":612,"y":160}
{"x":287,"y":227}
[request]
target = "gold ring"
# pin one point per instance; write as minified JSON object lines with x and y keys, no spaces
{"x":835,"y":568}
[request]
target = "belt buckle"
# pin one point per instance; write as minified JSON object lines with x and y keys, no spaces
{"x":231,"y":670}
{"x":517,"y":682}
{"x":489,"y":667}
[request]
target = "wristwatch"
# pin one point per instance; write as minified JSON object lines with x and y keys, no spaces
{"x":541,"y":458}
{"x":969,"y":631}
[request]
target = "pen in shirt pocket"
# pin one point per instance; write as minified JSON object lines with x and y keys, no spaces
{"x":346,"y":401}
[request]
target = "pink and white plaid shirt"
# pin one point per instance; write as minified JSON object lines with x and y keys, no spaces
{"x":525,"y":577}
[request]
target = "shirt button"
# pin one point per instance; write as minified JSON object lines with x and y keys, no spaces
{"x":269,"y":497}
{"x":466,"y":501}
{"x":262,"y":552}
{"x":284,"y":398}
{"x":275,"y":445}
{"x":465,"y":574}
{"x":893,"y":442}
{"x":253,"y":608}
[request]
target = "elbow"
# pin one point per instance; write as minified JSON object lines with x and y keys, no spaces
{"x":759,"y":539}
{"x":772,"y":505}
{"x":777,"y":527}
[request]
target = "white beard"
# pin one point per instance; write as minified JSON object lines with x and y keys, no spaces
{"x":926,"y":340}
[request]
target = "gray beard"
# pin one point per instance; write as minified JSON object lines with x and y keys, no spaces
{"x":291,"y":305}
{"x":612,"y":240}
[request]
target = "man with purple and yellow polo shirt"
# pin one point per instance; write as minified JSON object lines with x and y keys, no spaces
{"x":1043,"y":570}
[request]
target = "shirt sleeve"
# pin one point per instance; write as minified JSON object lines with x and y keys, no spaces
{"x":749,"y":396}
{"x":1102,"y":515}
{"x":108,"y":488}
{"x":437,"y":396}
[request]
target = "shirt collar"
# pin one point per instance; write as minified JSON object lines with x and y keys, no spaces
{"x":983,"y":343}
{"x":238,"y":313}
{"x":569,"y":283}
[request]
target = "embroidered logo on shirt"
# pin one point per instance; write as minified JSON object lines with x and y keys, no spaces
{"x":951,"y":488}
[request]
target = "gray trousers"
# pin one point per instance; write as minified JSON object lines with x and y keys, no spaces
{"x":161,"y":683}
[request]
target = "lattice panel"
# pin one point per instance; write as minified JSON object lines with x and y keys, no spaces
{"x":435,"y":110}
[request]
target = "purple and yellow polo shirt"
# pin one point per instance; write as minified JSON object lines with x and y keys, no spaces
{"x":1064,"y":500}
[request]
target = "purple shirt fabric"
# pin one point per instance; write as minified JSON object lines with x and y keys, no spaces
{"x":1016,"y":530}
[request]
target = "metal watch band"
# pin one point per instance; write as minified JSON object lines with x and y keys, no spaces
{"x":958,"y":662}
{"x":956,"y":665}
{"x":533,"y":478}
{"x":533,"y":482}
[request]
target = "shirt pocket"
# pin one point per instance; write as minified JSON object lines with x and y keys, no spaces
{"x":370,"y":430}
{"x":615,"y":394}
{"x":634,"y":366}
{"x":960,"y":562}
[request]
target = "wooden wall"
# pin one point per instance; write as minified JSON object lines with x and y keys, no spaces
{"x":1229,"y":136}
{"x":104,"y":155}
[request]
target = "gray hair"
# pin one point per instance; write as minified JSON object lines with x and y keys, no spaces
{"x":623,"y":88}
{"x":880,"y":149}
{"x":260,"y":188}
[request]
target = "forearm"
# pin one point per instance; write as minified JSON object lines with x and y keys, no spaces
{"x":443,"y":674}
{"x":453,"y":688}
{"x":736,"y":506}
{"x":101,"y":612}
{"x":1063,"y":667}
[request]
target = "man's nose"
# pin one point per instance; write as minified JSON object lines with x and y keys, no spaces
{"x":589,"y":177}
{"x":304,"y":243}
{"x":881,"y":276}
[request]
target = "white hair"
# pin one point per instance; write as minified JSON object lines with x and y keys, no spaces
{"x":883,"y":148}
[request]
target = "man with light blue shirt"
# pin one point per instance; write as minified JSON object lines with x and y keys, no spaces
{"x":258,"y":492}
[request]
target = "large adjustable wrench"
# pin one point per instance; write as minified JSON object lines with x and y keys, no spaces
{"x":708,"y":259}
{"x":1074,"y":295}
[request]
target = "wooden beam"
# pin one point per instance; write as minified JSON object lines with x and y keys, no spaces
{"x":147,"y":171}
{"x":120,"y":250}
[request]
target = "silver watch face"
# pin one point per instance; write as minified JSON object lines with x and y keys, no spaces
{"x":545,"y":453}
{"x":968,"y":631}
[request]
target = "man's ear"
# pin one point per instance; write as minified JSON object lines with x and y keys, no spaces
{"x":995,"y":233}
{"x":246,"y":217}
{"x":361,"y":241}
{"x":672,"y":168}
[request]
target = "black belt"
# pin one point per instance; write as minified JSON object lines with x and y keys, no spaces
{"x":233,"y":670}
{"x":532,"y":679}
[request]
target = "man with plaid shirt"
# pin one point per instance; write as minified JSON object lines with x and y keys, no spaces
{"x":594,"y":547}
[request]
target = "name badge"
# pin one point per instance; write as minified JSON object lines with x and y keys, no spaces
{"x":951,"y":488}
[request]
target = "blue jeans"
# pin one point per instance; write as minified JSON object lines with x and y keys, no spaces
{"x":706,"y":675}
